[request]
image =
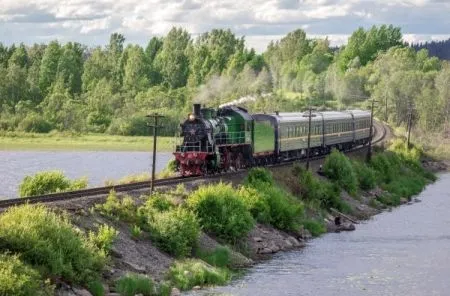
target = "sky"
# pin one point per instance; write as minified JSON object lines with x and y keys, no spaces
{"x":92,"y":21}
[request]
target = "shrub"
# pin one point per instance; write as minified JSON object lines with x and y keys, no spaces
{"x":325,"y":193}
{"x":221,"y":211}
{"x":255,"y":203}
{"x":49,"y":182}
{"x":136,"y":231}
{"x":133,"y":284}
{"x":35,"y":123}
{"x":175,"y":231}
{"x":96,"y":288}
{"x":219,"y":257}
{"x":190,"y":273}
{"x":158,"y":202}
{"x":49,"y":242}
{"x":123,"y":209}
{"x":338,"y":167}
{"x":384,"y":169}
{"x":259,"y":175}
{"x":135,"y":125}
{"x":104,"y":237}
{"x":17,"y":278}
{"x":367,"y":178}
{"x":314,"y":227}
{"x":285,"y":211}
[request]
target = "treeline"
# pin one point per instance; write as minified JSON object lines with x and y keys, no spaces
{"x":439,"y":49}
{"x":111,"y":89}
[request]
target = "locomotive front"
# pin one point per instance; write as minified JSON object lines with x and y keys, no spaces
{"x":197,"y":148}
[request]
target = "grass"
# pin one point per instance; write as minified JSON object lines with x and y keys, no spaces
{"x":83,"y":142}
{"x":191,"y":272}
{"x":133,"y":284}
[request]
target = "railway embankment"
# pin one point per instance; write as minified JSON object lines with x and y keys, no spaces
{"x":198,"y":235}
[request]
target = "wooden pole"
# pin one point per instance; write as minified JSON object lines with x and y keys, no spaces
{"x":155,"y":126}
{"x":369,"y":149}
{"x":309,"y":138}
{"x":409,"y":127}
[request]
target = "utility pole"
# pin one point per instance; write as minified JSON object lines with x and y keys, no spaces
{"x":310,"y":115}
{"x":155,"y":126}
{"x":369,"y":149}
{"x":409,"y":126}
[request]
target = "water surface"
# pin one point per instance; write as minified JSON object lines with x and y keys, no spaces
{"x":96,"y":166}
{"x":403,"y":252}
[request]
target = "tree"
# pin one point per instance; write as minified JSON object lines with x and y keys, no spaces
{"x":367,"y":44}
{"x":49,"y":67}
{"x":172,"y":60}
{"x":70,"y":67}
{"x":19,"y":57}
{"x":136,"y":69}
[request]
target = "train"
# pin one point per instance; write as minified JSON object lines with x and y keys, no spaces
{"x":230,"y":138}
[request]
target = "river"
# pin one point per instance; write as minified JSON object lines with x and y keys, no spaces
{"x":96,"y":166}
{"x":402,"y":252}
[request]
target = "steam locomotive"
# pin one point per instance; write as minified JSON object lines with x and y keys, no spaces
{"x":231,"y":138}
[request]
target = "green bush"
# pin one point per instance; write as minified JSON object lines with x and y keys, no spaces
{"x":34,"y":123}
{"x":219,"y":257}
{"x":338,"y":168}
{"x":285,"y":211}
{"x":326,"y":194}
{"x":158,"y":202}
{"x":367,"y":177}
{"x":49,"y":182}
{"x":96,"y":288}
{"x":49,"y":242}
{"x":175,"y":231}
{"x":123,"y":209}
{"x":190,"y":273}
{"x":259,"y":175}
{"x":133,"y":284}
{"x":104,"y":237}
{"x":19,"y":279}
{"x":314,"y":227}
{"x":135,"y":125}
{"x":221,"y":211}
{"x":384,"y":170}
{"x":256,"y":204}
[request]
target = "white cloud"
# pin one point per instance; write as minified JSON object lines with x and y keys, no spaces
{"x":91,"y":21}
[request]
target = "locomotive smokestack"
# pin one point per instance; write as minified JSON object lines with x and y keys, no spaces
{"x":197,"y":110}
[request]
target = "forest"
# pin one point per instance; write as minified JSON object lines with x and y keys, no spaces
{"x":440,"y":49}
{"x":74,"y":87}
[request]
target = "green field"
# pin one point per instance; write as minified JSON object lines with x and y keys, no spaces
{"x":91,"y":142}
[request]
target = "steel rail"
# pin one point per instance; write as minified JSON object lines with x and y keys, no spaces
{"x":68,"y":195}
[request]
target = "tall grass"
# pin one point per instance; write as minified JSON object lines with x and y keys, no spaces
{"x":133,"y":284}
{"x":190,"y":273}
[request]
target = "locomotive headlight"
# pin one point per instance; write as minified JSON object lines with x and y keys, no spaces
{"x":191,"y":117}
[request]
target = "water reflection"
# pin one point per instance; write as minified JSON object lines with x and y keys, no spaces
{"x":97,"y":166}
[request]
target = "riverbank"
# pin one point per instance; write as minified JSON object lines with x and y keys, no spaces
{"x":198,"y":236}
{"x":17,"y":141}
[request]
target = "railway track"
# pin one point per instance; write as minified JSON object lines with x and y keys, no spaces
{"x":380,"y":131}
